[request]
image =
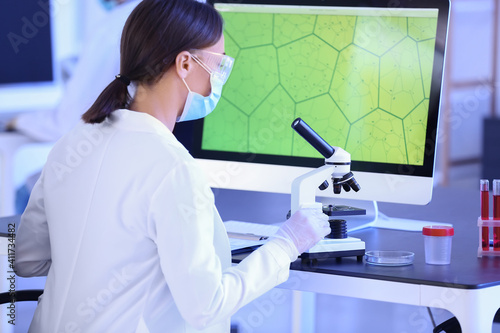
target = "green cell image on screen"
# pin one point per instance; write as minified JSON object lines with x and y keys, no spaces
{"x":361,"y":82}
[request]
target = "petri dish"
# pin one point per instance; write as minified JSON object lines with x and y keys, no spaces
{"x":389,"y":258}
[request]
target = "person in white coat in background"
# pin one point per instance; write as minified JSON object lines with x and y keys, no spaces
{"x":97,"y":64}
{"x":122,"y":220}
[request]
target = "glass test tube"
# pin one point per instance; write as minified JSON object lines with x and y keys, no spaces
{"x":484,"y":187}
{"x":496,"y":213}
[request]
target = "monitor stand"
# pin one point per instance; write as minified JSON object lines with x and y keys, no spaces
{"x":376,"y":219}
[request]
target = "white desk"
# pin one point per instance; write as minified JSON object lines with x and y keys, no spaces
{"x":469,"y":287}
{"x":474,"y":308}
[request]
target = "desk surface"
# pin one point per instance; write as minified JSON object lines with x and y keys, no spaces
{"x":466,"y":271}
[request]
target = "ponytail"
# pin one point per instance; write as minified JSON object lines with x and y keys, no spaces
{"x":114,"y":96}
{"x":155,"y":33}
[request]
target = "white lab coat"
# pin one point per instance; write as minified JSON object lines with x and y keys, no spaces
{"x":97,"y":66}
{"x":125,"y":226}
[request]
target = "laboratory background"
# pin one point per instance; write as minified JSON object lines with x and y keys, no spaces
{"x":468,"y":150}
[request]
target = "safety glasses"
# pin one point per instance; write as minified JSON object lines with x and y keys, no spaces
{"x":217,"y":64}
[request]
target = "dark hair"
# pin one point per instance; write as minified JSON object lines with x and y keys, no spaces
{"x":154,"y":34}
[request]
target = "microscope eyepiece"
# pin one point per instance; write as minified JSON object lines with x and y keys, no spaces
{"x":313,"y":138}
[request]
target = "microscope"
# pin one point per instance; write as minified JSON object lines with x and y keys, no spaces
{"x":337,"y":168}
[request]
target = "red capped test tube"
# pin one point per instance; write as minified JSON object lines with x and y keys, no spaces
{"x":496,"y":213}
{"x":484,"y":187}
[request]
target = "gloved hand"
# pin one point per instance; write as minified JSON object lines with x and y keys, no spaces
{"x":303,"y":230}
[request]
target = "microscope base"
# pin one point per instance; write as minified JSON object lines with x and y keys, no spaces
{"x":336,"y":248}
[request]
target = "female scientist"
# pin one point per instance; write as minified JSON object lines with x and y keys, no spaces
{"x":122,"y":221}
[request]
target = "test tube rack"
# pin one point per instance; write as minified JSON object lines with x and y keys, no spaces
{"x":490,"y":223}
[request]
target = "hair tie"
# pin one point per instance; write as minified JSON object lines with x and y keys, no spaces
{"x":123,"y":79}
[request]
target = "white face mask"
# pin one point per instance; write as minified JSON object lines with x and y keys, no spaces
{"x":198,"y":106}
{"x":219,"y":67}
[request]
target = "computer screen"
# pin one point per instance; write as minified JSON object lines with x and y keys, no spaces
{"x":365,"y":75}
{"x":27,"y":68}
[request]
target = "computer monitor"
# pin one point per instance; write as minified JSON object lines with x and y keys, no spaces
{"x":28,"y":75}
{"x":365,"y":75}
